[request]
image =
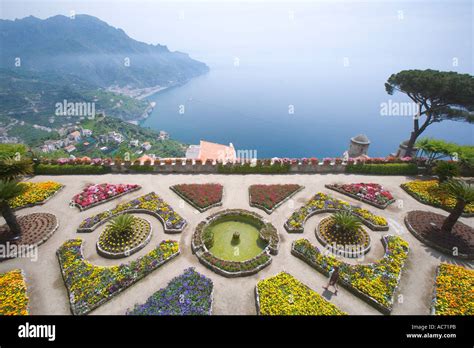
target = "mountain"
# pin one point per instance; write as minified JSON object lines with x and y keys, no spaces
{"x":32,"y":97}
{"x":90,"y":48}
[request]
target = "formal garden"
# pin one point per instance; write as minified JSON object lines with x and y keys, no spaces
{"x":177,"y":244}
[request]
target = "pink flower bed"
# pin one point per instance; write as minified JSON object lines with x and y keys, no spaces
{"x":371,"y":192}
{"x":95,"y":194}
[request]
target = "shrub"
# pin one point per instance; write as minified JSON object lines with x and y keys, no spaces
{"x":69,"y":169}
{"x":141,"y":169}
{"x":446,"y":170}
{"x":259,"y":168}
{"x":383,"y":169}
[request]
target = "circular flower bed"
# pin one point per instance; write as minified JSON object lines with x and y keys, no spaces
{"x":111,"y":245}
{"x":255,"y":249}
{"x":344,"y":244}
{"x":36,"y":229}
{"x":426,"y":226}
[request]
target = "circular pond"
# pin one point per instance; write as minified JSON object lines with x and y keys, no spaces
{"x":235,"y":242}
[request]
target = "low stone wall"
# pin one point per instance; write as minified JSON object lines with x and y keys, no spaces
{"x":164,"y":167}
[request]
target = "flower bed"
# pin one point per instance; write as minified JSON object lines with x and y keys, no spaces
{"x":283,"y":294}
{"x":94,"y":195}
{"x":426,"y":227}
{"x":453,"y":293}
{"x":429,"y":192}
{"x":353,"y":245}
{"x":150,"y":203}
{"x":270,"y":197}
{"x":201,"y":242}
{"x":188,"y":294}
{"x":375,"y":282}
{"x":323,"y":203}
{"x":200,"y":196}
{"x":36,"y":229}
{"x":89,"y":286}
{"x":371,"y":193}
{"x":13,"y":295}
{"x":37,"y":193}
{"x":111,"y":246}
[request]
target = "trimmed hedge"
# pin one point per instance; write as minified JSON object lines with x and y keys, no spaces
{"x":141,"y":169}
{"x":259,"y":168}
{"x":69,"y":169}
{"x":383,"y":169}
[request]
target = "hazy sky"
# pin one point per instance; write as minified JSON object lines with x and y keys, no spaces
{"x":215,"y":31}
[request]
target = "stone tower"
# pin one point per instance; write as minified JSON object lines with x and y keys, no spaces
{"x":358,"y":146}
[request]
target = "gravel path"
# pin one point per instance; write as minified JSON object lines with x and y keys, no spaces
{"x":48,"y":294}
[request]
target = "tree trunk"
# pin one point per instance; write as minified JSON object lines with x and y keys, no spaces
{"x":451,"y":220}
{"x":411,"y":144}
{"x":10,"y":218}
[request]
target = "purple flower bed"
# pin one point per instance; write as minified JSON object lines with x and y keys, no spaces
{"x":187,"y":294}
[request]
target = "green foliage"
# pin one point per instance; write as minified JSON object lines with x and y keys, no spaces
{"x":68,"y":169}
{"x":346,"y":223}
{"x":459,"y":190}
{"x":10,"y":189}
{"x":259,"y":168}
{"x":208,"y":238}
{"x":122,"y":225}
{"x":12,"y":150}
{"x":11,"y":168}
{"x":446,"y":170}
{"x":383,"y":169}
{"x":435,"y":149}
{"x":141,"y":169}
{"x":448,"y":95}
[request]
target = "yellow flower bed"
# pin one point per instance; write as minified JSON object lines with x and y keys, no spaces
{"x":13,"y":296}
{"x":429,"y":192}
{"x":36,"y":192}
{"x":454,"y":290}
{"x":285,"y":295}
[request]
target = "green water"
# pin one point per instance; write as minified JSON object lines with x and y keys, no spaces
{"x":250,"y":244}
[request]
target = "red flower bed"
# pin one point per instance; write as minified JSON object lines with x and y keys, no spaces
{"x":269,"y":196}
{"x":94,"y":194}
{"x":371,"y":193}
{"x":200,"y":195}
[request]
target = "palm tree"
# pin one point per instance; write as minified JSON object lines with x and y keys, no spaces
{"x":11,"y":168}
{"x":463,"y":193}
{"x":346,"y":223}
{"x":122,"y":225}
{"x":8,"y":190}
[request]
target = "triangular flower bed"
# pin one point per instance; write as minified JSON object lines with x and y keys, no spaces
{"x":36,"y":193}
{"x":200,"y":196}
{"x":374,"y":283}
{"x":370,"y":193}
{"x":90,"y":286}
{"x":270,"y":197}
{"x":283,"y":294}
{"x":93,"y":195}
{"x":187,"y":294}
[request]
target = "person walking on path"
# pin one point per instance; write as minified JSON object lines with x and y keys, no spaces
{"x":333,"y":278}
